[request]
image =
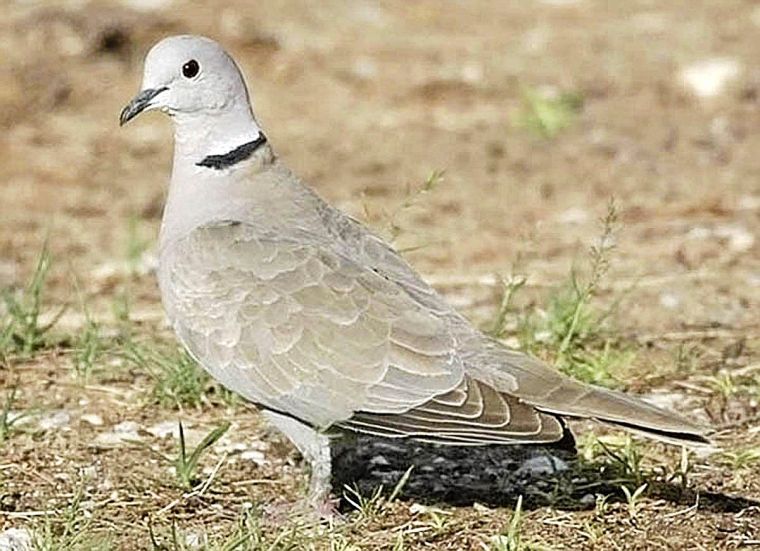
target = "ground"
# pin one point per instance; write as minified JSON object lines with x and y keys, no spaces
{"x":488,"y":139}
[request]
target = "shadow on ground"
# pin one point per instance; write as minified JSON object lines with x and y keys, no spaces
{"x":497,"y":475}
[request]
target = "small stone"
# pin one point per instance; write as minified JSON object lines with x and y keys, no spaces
{"x":364,"y":68}
{"x":123,"y":432}
{"x":15,"y":539}
{"x":164,"y":429}
{"x":542,"y":465}
{"x":560,"y":3}
{"x":710,"y":77}
{"x":254,"y":456}
{"x":670,"y":301}
{"x":738,"y":237}
{"x":54,"y":420}
{"x":699,"y":233}
{"x":379,"y":461}
{"x":93,"y":419}
{"x":574,"y":215}
{"x":193,"y":540}
{"x":148,"y":5}
{"x":127,"y":427}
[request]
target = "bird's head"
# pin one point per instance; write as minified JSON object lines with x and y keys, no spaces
{"x":187,"y":76}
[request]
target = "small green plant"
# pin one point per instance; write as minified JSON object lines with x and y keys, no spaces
{"x":69,"y":530}
{"x":89,"y":347}
{"x":437,"y":519}
{"x":247,"y":535}
{"x":584,"y":292}
{"x":8,"y":419}
{"x":21,"y":329}
{"x":547,"y":114}
{"x":392,"y":229}
{"x":724,"y":384}
{"x":687,"y":358}
{"x":622,"y":457}
{"x":573,"y":329}
{"x":601,"y":505}
{"x":177,"y":379}
{"x":186,"y":466}
{"x":512,"y":539}
{"x":510,"y":287}
{"x":136,"y":245}
{"x":742,"y":458}
{"x":632,"y":499}
{"x":369,"y":507}
{"x":684,"y":469}
{"x":598,"y":365}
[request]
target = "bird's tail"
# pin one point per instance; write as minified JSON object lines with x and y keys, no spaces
{"x":550,"y":391}
{"x":629,"y":412}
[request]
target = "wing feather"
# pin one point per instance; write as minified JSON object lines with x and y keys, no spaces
{"x":298,"y":327}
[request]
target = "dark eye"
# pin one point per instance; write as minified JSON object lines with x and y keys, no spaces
{"x":190,"y":69}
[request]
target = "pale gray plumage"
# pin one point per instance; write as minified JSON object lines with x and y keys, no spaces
{"x":305,"y":312}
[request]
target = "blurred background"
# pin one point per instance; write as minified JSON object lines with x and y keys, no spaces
{"x":485,"y":138}
{"x":538,"y":112}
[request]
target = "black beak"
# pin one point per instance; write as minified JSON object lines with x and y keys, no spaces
{"x":138,"y":104}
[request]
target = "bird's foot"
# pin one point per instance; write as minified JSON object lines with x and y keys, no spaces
{"x":307,"y":511}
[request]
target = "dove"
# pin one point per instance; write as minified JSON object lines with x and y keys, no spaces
{"x":315,"y":319}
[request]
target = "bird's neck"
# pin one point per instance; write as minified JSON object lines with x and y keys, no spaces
{"x":216,"y":161}
{"x":200,"y":138}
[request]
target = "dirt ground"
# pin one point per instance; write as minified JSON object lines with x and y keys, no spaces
{"x":365,"y":100}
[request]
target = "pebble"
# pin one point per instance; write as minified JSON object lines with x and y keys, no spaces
{"x":710,"y":77}
{"x":574,"y":215}
{"x":164,"y":429}
{"x":54,"y":420}
{"x":93,"y":419}
{"x":542,"y":465}
{"x":147,"y":5}
{"x":671,"y":301}
{"x":15,"y":539}
{"x":738,"y":237}
{"x":121,"y":433}
{"x":254,"y":456}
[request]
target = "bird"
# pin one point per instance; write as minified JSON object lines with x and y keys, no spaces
{"x":309,"y":315}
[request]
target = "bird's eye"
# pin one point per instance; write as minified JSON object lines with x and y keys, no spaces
{"x":190,"y":69}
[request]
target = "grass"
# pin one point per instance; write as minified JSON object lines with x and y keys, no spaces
{"x":392,"y":228}
{"x":177,"y":380}
{"x":618,"y":457}
{"x":511,"y":540}
{"x":573,"y":331}
{"x":21,"y":329}
{"x":69,"y":529}
{"x":249,"y":534}
{"x":742,"y":458}
{"x":546,"y":114}
{"x":89,"y":346}
{"x":368,"y":507}
{"x":632,"y":499}
{"x":246,"y":535}
{"x":136,"y":246}
{"x":8,"y":418}
{"x":186,"y":465}
{"x":510,"y":287}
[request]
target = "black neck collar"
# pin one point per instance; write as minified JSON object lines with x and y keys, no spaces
{"x":240,"y":153}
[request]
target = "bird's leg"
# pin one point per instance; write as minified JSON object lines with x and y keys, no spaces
{"x":315,"y":448}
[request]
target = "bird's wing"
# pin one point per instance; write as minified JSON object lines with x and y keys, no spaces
{"x":473,"y":414}
{"x":300,"y":328}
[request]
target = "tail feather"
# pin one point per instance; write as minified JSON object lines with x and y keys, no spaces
{"x":626,"y":411}
{"x":549,"y":391}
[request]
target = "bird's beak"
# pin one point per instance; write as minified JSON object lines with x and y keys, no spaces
{"x":139,"y":104}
